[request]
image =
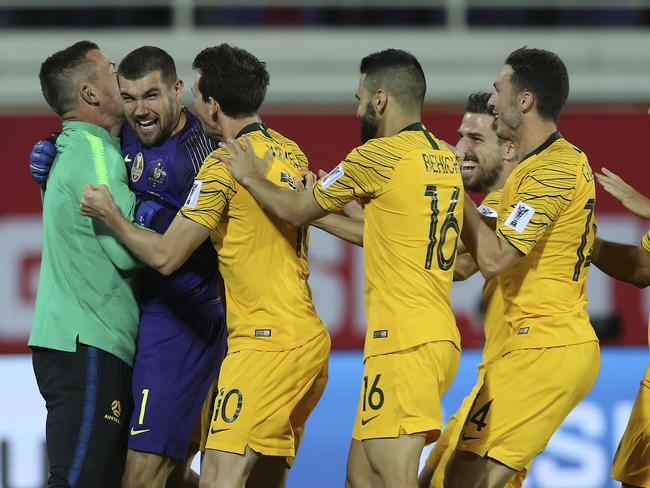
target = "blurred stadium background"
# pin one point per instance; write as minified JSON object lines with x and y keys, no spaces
{"x":312,"y":48}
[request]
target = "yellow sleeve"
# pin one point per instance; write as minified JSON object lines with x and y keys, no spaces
{"x":537,"y":202}
{"x":212,"y":190}
{"x":362,"y":174}
{"x":645,"y":242}
{"x":490,"y":205}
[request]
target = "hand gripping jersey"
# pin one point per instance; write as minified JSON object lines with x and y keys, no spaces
{"x":166,"y":173}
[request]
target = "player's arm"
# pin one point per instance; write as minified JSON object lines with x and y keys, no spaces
{"x":623,"y":262}
{"x":163,"y":252}
{"x":296,"y":208}
{"x":345,"y":228}
{"x":491,"y":254}
{"x":465,"y":267}
{"x":634,"y":201}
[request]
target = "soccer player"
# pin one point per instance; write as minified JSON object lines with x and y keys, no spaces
{"x":540,"y":253}
{"x":181,"y":339}
{"x":276,"y":367}
{"x":630,"y":264}
{"x":489,"y":160}
{"x":86,"y":316}
{"x":413,"y":215}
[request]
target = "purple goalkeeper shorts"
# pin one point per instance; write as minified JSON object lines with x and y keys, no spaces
{"x":177,"y":360}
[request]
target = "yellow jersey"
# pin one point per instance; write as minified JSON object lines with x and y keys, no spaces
{"x":495,"y":328}
{"x":413,"y":217}
{"x":547,"y":213}
{"x":263,"y":260}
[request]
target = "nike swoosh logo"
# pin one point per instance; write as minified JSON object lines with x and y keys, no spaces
{"x":365,"y":421}
{"x":216,"y":431}
{"x":466,"y":438}
{"x":136,"y":432}
{"x":127,"y":159}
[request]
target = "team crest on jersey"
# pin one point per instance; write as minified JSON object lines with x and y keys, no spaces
{"x":520,"y":216}
{"x":332,"y":176}
{"x":157,"y":175}
{"x":286,"y":178}
{"x":137,"y":168}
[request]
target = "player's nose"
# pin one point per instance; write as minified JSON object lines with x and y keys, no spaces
{"x":141,"y":108}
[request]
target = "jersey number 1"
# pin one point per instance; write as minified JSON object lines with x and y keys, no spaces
{"x":448,"y":224}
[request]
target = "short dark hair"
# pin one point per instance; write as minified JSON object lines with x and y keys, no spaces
{"x":60,"y":71}
{"x":544,"y":74}
{"x":399,"y":73}
{"x":233,"y":77}
{"x":477,"y":103}
{"x":145,"y":60}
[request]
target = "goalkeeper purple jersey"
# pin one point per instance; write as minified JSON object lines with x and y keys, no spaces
{"x":165,"y":173}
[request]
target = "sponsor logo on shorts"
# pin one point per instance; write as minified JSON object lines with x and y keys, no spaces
{"x":262,"y":332}
{"x":380,"y":334}
{"x":216,"y":431}
{"x":522,"y":330}
{"x":116,"y":411}
{"x":137,"y":432}
{"x":365,"y":421}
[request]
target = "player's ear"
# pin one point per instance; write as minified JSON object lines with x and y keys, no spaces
{"x":381,"y":99}
{"x":509,"y":152}
{"x":178,"y":90}
{"x":526,"y":101}
{"x":88,"y":95}
{"x":213,"y":108}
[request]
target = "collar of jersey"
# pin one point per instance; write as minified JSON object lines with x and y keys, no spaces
{"x":415,"y":126}
{"x":255,"y":126}
{"x":419,"y":126}
{"x":93,"y":129}
{"x":551,"y":139}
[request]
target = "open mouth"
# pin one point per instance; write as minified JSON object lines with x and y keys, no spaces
{"x":146,"y":125}
{"x":468,"y":167}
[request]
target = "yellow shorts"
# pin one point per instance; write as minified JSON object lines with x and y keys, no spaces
{"x":202,"y":428}
{"x":524,"y":398}
{"x":446,"y":444}
{"x":632,"y":459}
{"x":401,"y":391}
{"x":264,"y":398}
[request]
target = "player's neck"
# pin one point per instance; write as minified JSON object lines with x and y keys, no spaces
{"x":111,"y":124}
{"x":533,"y":133}
{"x":180,"y":122}
{"x":232,"y":127}
{"x":395,"y":123}
{"x":501,"y":180}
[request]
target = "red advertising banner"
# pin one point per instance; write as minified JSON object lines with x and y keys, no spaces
{"x":610,"y":136}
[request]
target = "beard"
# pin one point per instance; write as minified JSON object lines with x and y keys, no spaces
{"x":369,"y":124}
{"x":484,"y":181}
